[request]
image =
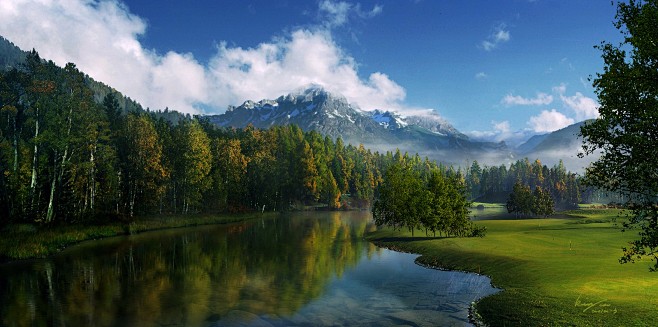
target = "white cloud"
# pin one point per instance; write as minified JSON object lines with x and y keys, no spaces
{"x":584,"y":107}
{"x":103,"y":39}
{"x":549,"y":121}
{"x":560,"y":89}
{"x":499,"y":35}
{"x":338,"y":13}
{"x":273,"y":69}
{"x":376,"y":10}
{"x":502,"y":127}
{"x":481,"y":76}
{"x":540,"y":99}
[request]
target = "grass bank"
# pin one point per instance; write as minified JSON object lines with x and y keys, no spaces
{"x":29,"y":241}
{"x":554,"y":272}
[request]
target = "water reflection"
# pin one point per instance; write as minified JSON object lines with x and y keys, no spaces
{"x":300,"y":269}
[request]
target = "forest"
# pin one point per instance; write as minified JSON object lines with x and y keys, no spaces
{"x":72,"y":154}
{"x":496,"y":183}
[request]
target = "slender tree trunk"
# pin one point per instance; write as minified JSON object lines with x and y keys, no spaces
{"x":131,"y":195}
{"x":63,"y":165}
{"x":49,"y":213}
{"x":33,"y":182}
{"x":15,"y":147}
{"x":118,"y":194}
{"x":60,"y":176}
{"x":174,"y":199}
{"x":92,"y":178}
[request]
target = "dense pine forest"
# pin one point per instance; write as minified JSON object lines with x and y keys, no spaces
{"x":496,"y":183}
{"x":73,"y":152}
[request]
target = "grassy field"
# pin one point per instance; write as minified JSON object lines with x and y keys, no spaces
{"x":28,"y":241}
{"x":555,"y":272}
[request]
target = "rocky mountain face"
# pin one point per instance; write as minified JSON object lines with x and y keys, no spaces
{"x":310,"y":109}
{"x":331,"y":114}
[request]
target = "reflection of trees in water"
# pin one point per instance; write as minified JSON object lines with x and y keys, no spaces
{"x":271,"y":267}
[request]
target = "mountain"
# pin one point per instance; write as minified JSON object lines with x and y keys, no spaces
{"x":565,"y":138}
{"x":315,"y":108}
{"x":563,"y":144}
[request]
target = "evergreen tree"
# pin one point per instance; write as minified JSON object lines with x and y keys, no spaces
{"x":543,"y":204}
{"x":520,"y":201}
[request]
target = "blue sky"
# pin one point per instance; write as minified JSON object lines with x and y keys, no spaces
{"x":499,"y":70}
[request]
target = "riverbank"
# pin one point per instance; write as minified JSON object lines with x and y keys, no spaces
{"x":554,"y":272}
{"x":19,"y":242}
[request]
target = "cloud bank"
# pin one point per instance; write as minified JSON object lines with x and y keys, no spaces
{"x":102,"y":37}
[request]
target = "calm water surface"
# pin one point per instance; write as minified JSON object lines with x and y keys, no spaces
{"x":302,"y":269}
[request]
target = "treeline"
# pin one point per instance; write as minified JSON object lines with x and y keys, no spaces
{"x":496,"y":183}
{"x":66,"y":157}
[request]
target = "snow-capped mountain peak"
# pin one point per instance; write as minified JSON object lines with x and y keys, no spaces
{"x":328,"y":113}
{"x":388,"y":119}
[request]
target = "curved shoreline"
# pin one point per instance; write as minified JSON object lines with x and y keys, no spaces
{"x":473,"y":316}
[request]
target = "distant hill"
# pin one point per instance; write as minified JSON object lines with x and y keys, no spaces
{"x":558,"y":140}
{"x":563,"y":144}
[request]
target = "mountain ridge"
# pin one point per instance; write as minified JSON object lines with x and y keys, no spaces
{"x":314,"y":108}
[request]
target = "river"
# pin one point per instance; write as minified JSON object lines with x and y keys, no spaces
{"x":298,"y":269}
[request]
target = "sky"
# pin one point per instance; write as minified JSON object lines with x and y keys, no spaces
{"x":497,"y":70}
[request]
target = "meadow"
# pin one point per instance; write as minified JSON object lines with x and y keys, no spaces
{"x":554,"y":272}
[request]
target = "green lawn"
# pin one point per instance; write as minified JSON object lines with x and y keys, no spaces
{"x":555,"y":272}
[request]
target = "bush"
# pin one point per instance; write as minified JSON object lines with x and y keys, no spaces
{"x":477,"y":231}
